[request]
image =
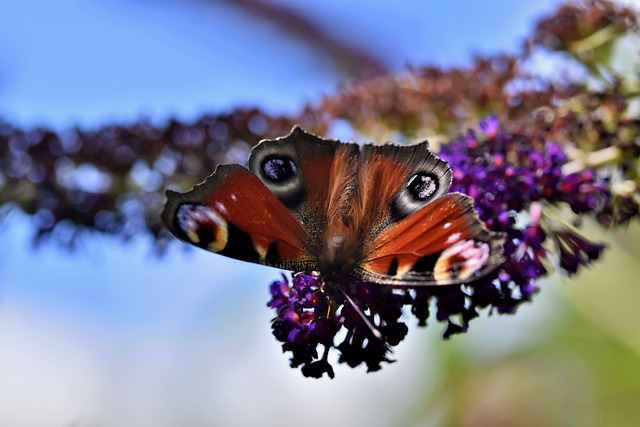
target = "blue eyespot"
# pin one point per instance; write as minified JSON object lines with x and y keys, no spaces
{"x":422,"y":186}
{"x":279,"y":168}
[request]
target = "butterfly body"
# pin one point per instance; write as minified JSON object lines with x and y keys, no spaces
{"x":379,"y":213}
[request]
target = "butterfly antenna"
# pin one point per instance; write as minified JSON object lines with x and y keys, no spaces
{"x":374,"y":330}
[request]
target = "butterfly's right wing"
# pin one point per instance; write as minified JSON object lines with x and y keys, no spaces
{"x":277,"y":213}
{"x":313,"y":177}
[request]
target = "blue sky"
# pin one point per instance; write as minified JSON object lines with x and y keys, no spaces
{"x":110,"y":334}
{"x":76,"y":62}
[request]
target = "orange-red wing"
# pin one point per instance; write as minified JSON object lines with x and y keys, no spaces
{"x":232,"y":213}
{"x":319,"y":191}
{"x":443,"y":243}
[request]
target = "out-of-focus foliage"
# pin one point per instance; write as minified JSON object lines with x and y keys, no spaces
{"x":112,"y":179}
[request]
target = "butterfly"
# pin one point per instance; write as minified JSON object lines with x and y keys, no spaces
{"x":377,"y":213}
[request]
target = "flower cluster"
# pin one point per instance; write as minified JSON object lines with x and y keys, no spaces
{"x":508,"y":176}
{"x":307,"y":316}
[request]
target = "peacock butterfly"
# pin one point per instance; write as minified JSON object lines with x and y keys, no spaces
{"x":378,"y":213}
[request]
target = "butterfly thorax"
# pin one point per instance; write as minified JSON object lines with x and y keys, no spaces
{"x":340,"y":251}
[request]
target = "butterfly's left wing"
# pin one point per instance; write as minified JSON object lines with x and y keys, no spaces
{"x":419,"y":234}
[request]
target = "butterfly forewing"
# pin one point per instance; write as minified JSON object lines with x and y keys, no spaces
{"x":320,"y":172}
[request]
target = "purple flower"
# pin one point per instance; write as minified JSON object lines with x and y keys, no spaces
{"x":508,"y":175}
{"x":490,"y":125}
{"x":575,"y":250}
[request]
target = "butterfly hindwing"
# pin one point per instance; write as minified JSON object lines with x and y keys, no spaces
{"x":234,"y":214}
{"x":441,"y":244}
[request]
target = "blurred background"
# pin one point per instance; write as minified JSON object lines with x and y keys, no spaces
{"x":111,"y":334}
